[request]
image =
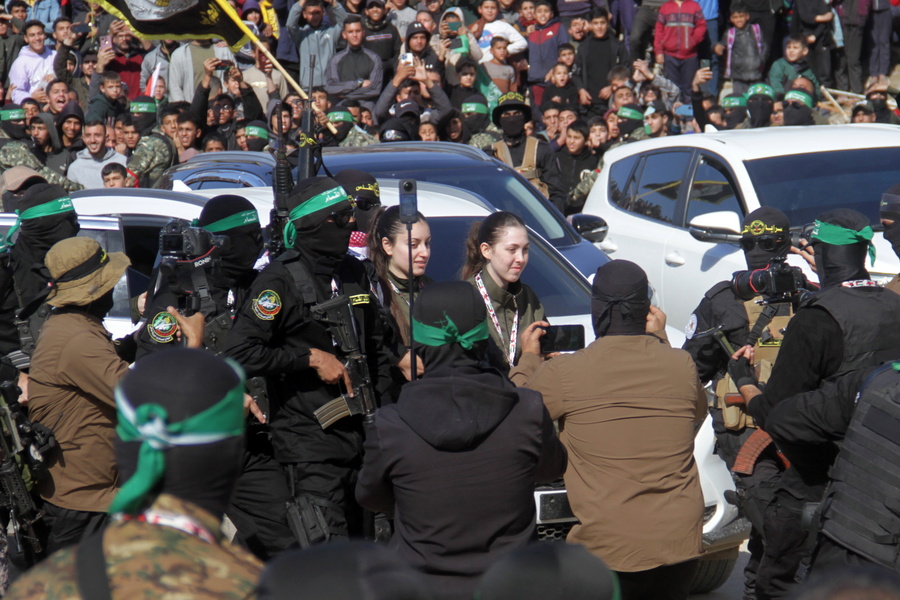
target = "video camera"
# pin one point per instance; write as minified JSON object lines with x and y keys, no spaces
{"x":185,"y":253}
{"x":778,"y":282}
{"x":804,"y":233}
{"x":179,"y":240}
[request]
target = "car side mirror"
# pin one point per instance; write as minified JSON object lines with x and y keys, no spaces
{"x":591,"y":227}
{"x":716,"y":227}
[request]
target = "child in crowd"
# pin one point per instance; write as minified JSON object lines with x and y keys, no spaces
{"x":680,"y":28}
{"x":785,"y":70}
{"x":744,"y":50}
{"x":503,"y":75}
{"x":598,"y":136}
{"x":467,"y":72}
{"x":526,"y":22}
{"x":543,"y":48}
{"x":106,"y":104}
{"x":490,"y":25}
{"x":561,"y":89}
{"x":114,"y":175}
{"x":574,"y":159}
{"x":565,"y":54}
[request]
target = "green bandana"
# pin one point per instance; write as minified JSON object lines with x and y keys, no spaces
{"x":247,"y":217}
{"x":761,"y":89}
{"x":474,"y":107}
{"x":449,"y":333}
{"x":13,"y":114}
{"x":800,"y":96}
{"x":139,"y":108}
{"x":734,"y":102}
{"x":630,"y":113}
{"x":148,"y":424}
{"x":340,"y":116}
{"x":842,"y":236}
{"x":257,"y":132}
{"x":323,"y":201}
{"x":47,"y":209}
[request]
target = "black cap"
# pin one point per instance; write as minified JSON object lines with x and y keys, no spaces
{"x":310,"y":188}
{"x":416,"y":28}
{"x":510,"y":101}
{"x":224,"y":206}
{"x":890,"y":203}
{"x":406,"y":107}
{"x":360,"y":185}
{"x":765,"y":220}
{"x":394,"y":130}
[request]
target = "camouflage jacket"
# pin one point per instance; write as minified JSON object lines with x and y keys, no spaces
{"x":152,"y":156}
{"x":358,"y":138}
{"x":144,"y":560}
{"x":487,"y":138}
{"x":14,"y":152}
{"x":579,"y":193}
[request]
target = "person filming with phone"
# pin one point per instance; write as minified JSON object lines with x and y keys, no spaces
{"x":628,"y":406}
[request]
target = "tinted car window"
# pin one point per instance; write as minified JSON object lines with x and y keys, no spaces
{"x":712,"y":190}
{"x":803,"y":186}
{"x":659,"y":185}
{"x":562,"y":291}
{"x":619,"y":174}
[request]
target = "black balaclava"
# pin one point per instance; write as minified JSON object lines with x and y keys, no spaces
{"x":16,"y":131}
{"x":769,"y":222}
{"x":144,"y":122}
{"x":760,"y":108}
{"x":460,"y":302}
{"x":363,"y":188}
{"x":323,"y":242}
{"x":244,"y":242}
{"x":879,"y":105}
{"x":257,"y":136}
{"x":549,"y":570}
{"x":185,"y":382}
{"x":476,"y":122}
{"x":836,"y":264}
{"x":734,"y":117}
{"x":513,"y":126}
{"x":620,"y":299}
{"x":627,"y":126}
{"x":890,"y":210}
{"x":343,"y":571}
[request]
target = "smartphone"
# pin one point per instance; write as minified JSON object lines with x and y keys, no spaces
{"x":409,"y":203}
{"x":454,"y":26}
{"x":81,"y":28}
{"x":225,"y":64}
{"x":704,"y":63}
{"x":105,"y":43}
{"x":406,"y":59}
{"x":562,"y":338}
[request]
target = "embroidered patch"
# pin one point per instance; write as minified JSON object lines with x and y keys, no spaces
{"x":267,"y":305}
{"x":359,"y":299}
{"x":691,"y":328}
{"x":162,"y":328}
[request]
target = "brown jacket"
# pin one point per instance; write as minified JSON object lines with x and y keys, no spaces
{"x":73,"y":373}
{"x":627,"y":406}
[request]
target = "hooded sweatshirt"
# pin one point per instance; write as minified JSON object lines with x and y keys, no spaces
{"x":459,"y":48}
{"x":58,"y":158}
{"x":543,"y":47}
{"x":28,"y":71}
{"x":85,"y":169}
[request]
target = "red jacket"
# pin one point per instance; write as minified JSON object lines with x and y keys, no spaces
{"x":679,"y":29}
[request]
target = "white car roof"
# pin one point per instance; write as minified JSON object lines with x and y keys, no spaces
{"x":751,"y":144}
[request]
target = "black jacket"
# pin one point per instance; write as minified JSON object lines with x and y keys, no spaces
{"x":546,"y":162}
{"x":457,"y":459}
{"x":570,"y":168}
{"x":593,"y":61}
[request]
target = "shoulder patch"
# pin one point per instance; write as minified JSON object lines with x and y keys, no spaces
{"x":267,"y":305}
{"x":359,"y":299}
{"x":162,"y":328}
{"x":691,"y":328}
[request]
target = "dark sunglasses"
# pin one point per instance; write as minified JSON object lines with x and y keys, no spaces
{"x":365,"y":203}
{"x":342,"y":217}
{"x":766,"y":243}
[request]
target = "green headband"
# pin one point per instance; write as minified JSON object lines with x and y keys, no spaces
{"x":148,"y":424}
{"x":630,"y":113}
{"x":761,"y":89}
{"x":257,"y":132}
{"x":799,"y":95}
{"x":340,"y":116}
{"x":449,"y":333}
{"x":319,"y":202}
{"x":474,"y":107}
{"x":247,"y":217}
{"x":13,"y":114}
{"x":734,"y":102}
{"x":47,"y":209}
{"x":143,"y":107}
{"x":842,"y":236}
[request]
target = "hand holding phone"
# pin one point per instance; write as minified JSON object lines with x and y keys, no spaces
{"x":562,"y":338}
{"x":105,"y":43}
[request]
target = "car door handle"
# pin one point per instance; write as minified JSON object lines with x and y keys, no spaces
{"x":608,"y":246}
{"x":674,"y":259}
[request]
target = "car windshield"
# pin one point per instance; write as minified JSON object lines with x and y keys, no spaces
{"x":561,"y":289}
{"x":803,"y":186}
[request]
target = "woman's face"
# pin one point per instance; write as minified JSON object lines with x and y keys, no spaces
{"x":398,"y":251}
{"x":508,"y":257}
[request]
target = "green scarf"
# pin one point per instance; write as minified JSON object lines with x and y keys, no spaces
{"x":247,"y":217}
{"x":323,"y":201}
{"x":842,"y":236}
{"x":47,"y":209}
{"x":448,"y":333}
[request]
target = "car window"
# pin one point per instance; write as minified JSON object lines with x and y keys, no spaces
{"x":619,"y":173}
{"x":562,"y":291}
{"x":712,"y":190}
{"x":659,"y":185}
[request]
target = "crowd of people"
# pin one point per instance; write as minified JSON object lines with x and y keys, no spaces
{"x":89,"y":104}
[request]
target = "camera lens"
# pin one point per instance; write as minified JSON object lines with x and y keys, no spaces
{"x":407,"y":186}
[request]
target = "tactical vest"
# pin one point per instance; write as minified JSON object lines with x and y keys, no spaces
{"x":869,"y":319}
{"x":768,"y":343}
{"x":173,"y":156}
{"x":528,"y":169}
{"x":861,"y":509}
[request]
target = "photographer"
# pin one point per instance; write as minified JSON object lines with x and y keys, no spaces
{"x":851,"y":324}
{"x":765,"y":237}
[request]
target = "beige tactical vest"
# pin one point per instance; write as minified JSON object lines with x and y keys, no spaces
{"x":528,"y":169}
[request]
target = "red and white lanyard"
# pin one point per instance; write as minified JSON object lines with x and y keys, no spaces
{"x":397,"y":291}
{"x":179,"y":522}
{"x":514,"y":334}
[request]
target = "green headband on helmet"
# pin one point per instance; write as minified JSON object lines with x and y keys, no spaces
{"x":474,"y":107}
{"x":340,"y":116}
{"x":143,"y":107}
{"x":148,"y":424}
{"x":448,"y":333}
{"x":323,"y":201}
{"x":248,"y":217}
{"x":257,"y":132}
{"x":13,"y":114}
{"x":836,"y":235}
{"x":630,"y":113}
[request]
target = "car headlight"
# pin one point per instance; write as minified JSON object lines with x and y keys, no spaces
{"x":882,"y":279}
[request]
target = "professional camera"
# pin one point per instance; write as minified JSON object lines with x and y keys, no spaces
{"x":178,"y":240}
{"x":804,"y":232}
{"x":779,"y":282}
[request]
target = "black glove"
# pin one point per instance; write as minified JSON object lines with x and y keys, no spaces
{"x":741,"y":372}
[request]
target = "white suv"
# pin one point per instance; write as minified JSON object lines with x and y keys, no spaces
{"x":671,"y":202}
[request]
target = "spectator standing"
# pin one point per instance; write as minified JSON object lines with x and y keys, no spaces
{"x":354,"y":73}
{"x":160,"y":55}
{"x":793,"y":65}
{"x":381,"y":37}
{"x":880,"y":32}
{"x":454,"y":42}
{"x":500,"y":72}
{"x":573,"y":160}
{"x":88,"y":163}
{"x":680,"y":28}
{"x":127,"y":60}
{"x":853,"y":15}
{"x":183,"y":75}
{"x":744,"y":50}
{"x":596,"y":57}
{"x":813,"y":20}
{"x":490,"y":25}
{"x":311,"y":36}
{"x":33,"y":69}
{"x":401,"y":15}
{"x":544,"y":42}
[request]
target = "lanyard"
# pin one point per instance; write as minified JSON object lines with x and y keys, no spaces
{"x":396,"y":290}
{"x":179,"y":522}
{"x":513,"y":337}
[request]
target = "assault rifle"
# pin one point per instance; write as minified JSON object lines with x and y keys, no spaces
{"x":22,"y":445}
{"x":337,"y":315}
